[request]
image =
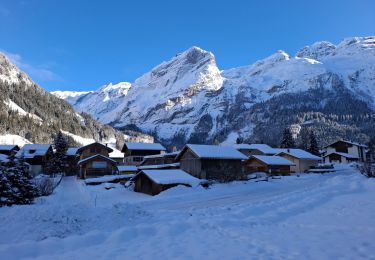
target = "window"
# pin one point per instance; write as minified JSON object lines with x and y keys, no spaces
{"x":99,"y":165}
{"x":92,"y":150}
{"x":138,"y":159}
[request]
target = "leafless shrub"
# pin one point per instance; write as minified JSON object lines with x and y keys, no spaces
{"x":367,"y":169}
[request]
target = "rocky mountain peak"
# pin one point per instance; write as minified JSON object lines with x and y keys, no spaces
{"x":10,"y":73}
{"x":317,"y":51}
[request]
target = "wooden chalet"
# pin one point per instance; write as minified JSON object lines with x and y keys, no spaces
{"x":127,"y":169}
{"x":212,"y":162}
{"x":9,"y":149}
{"x":72,"y":158}
{"x":272,"y":165}
{"x":303,"y":160}
{"x":135,"y":152}
{"x":255,"y":149}
{"x":117,"y":155}
{"x":153,"y":182}
{"x":344,"y":152}
{"x":37,"y":155}
{"x":94,"y":161}
{"x":157,"y":159}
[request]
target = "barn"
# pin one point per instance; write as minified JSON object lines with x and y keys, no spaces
{"x":303,"y":160}
{"x":153,"y":182}
{"x":273,"y":165}
{"x":212,"y":162}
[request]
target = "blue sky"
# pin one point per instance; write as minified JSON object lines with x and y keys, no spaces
{"x":82,"y":44}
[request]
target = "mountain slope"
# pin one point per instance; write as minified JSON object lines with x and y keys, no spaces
{"x":188,"y":99}
{"x":31,"y":112}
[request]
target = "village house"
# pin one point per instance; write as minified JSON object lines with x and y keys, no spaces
{"x":72,"y":162}
{"x":212,"y":162}
{"x":135,"y":152}
{"x":153,"y":182}
{"x":255,"y":149}
{"x":9,"y":149}
{"x":127,"y":169}
{"x":344,"y":152}
{"x":37,"y":155}
{"x":94,"y":161}
{"x":272,"y":165}
{"x":157,"y":159}
{"x":302,"y":160}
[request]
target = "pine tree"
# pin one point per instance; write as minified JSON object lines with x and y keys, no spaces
{"x":58,"y":161}
{"x":287,"y":140}
{"x":313,"y":144}
{"x":5,"y":188}
{"x":239,"y":140}
{"x":17,"y":180}
{"x":304,"y":138}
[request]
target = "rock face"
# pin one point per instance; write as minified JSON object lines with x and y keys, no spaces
{"x":188,"y":99}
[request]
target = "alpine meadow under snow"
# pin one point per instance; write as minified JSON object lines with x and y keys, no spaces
{"x":325,"y":87}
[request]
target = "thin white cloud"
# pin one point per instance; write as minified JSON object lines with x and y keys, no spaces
{"x":36,"y":72}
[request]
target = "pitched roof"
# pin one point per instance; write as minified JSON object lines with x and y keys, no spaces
{"x":96,"y":143}
{"x":7,"y":147}
{"x":348,"y":142}
{"x":159,"y":166}
{"x":143,"y":146}
{"x":174,"y":176}
{"x":72,"y":151}
{"x":4,"y":158}
{"x":96,"y":156}
{"x":127,"y":168}
{"x":162,"y":155}
{"x":31,"y":150}
{"x":264,"y":148}
{"x":300,"y":154}
{"x":214,"y":152}
{"x":273,"y":160}
{"x":346,"y":155}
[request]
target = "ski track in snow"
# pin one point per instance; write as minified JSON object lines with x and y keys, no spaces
{"x":311,"y":217}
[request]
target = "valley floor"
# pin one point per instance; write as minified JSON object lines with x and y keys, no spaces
{"x":314,"y":216}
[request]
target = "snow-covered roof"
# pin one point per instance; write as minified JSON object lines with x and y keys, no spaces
{"x":7,"y":147}
{"x":159,"y":166}
{"x":32,"y":150}
{"x":300,"y":154}
{"x":273,"y":160}
{"x":127,"y":168}
{"x":71,"y":151}
{"x":162,"y":155}
{"x":96,"y":143}
{"x":346,"y":155}
{"x":215,"y":152}
{"x":144,"y":146}
{"x":96,"y":156}
{"x":116,"y":154}
{"x":174,"y":176}
{"x":264,"y":148}
{"x":4,"y":158}
{"x":348,"y":142}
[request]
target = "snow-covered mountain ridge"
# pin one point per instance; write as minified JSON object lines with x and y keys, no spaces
{"x":189,"y":99}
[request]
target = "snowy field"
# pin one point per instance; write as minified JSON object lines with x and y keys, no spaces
{"x":313,"y":216}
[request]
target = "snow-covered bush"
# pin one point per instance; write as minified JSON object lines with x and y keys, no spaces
{"x":45,"y":186}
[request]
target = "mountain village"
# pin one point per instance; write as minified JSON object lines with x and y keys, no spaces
{"x":152,"y":169}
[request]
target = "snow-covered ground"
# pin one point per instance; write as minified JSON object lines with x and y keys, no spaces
{"x":314,"y":216}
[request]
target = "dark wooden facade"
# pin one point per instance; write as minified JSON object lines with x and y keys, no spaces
{"x":94,"y":161}
{"x":166,"y":158}
{"x":211,"y":169}
{"x":146,"y":185}
{"x":134,"y":156}
{"x":254,"y":165}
